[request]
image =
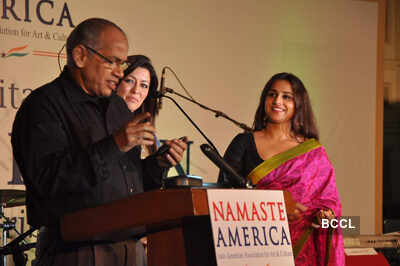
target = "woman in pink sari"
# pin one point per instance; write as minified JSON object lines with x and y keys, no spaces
{"x":283,"y":153}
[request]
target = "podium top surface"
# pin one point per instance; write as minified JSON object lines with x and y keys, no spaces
{"x":149,"y":208}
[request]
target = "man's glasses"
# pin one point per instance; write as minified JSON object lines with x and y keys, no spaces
{"x":112,"y":63}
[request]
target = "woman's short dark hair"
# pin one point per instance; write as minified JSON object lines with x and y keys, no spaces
{"x":88,"y":32}
{"x":150,"y":103}
{"x":303,"y":121}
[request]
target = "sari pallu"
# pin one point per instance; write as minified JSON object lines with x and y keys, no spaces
{"x":306,"y":172}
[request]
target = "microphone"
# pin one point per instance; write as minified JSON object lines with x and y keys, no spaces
{"x":162,"y":82}
{"x":236,"y":180}
{"x":158,"y":94}
{"x":164,"y":90}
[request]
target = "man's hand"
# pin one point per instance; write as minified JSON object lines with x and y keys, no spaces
{"x":135,"y":132}
{"x":174,"y":154}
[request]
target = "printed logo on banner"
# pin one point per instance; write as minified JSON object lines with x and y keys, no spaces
{"x":43,"y":12}
{"x":16,"y":51}
{"x":21,"y":51}
{"x":250,"y":227}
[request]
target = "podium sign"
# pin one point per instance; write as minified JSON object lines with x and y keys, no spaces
{"x":250,"y":227}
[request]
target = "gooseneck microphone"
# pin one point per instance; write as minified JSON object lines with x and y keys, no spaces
{"x":158,"y":94}
{"x":208,"y":149}
{"x":162,"y":82}
{"x":161,"y":94}
{"x":235,"y":179}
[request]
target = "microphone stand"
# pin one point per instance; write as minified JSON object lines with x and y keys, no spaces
{"x":184,"y":181}
{"x":217,"y":113}
{"x":188,"y":117}
{"x":179,"y":181}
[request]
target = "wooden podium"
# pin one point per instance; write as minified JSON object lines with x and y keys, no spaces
{"x":176,"y":221}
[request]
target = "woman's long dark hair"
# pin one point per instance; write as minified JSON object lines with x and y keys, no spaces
{"x":150,"y":103}
{"x":303,"y":122}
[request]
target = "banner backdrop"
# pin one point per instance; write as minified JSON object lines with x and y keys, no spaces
{"x":224,"y":52}
{"x":31,"y":33}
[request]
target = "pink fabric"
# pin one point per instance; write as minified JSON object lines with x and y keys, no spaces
{"x":310,"y":178}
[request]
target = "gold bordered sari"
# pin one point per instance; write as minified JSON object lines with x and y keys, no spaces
{"x":306,"y":172}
